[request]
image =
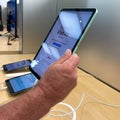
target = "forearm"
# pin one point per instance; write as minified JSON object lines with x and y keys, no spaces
{"x":56,"y":83}
{"x":30,"y":106}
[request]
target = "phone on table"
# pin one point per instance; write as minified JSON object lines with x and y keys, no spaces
{"x":21,"y":83}
{"x":16,"y":65}
{"x":66,"y":33}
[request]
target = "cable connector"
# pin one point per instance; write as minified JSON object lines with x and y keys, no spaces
{"x":1,"y":86}
{"x":1,"y":68}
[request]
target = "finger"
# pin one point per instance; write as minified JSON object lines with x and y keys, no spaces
{"x":66,"y":55}
{"x":74,"y":60}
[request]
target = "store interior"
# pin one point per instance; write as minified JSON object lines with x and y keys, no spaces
{"x":99,"y":50}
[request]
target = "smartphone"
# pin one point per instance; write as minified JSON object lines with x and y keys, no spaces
{"x":21,"y":83}
{"x":16,"y":65}
{"x":66,"y":33}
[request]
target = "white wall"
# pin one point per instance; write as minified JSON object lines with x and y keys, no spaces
{"x":38,"y":17}
{"x":100,"y":49}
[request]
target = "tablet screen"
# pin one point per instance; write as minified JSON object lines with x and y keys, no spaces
{"x":66,"y":33}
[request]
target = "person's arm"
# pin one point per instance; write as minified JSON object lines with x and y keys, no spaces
{"x":30,"y":106}
{"x":59,"y":79}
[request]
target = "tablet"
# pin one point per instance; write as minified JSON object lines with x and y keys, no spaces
{"x":66,"y":33}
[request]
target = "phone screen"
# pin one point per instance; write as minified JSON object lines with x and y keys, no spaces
{"x":21,"y":83}
{"x":16,"y":65}
{"x":66,"y":33}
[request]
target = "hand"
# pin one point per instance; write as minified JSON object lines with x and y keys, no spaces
{"x":60,"y":78}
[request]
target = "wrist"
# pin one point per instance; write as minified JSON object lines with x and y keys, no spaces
{"x":49,"y":94}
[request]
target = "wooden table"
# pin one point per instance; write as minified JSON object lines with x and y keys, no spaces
{"x":97,"y":96}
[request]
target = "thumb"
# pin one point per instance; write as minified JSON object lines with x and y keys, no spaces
{"x":64,"y":57}
{"x":73,"y":60}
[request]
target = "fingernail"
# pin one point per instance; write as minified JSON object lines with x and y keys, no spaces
{"x":68,"y":52}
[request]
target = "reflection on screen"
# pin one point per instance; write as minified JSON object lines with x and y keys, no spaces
{"x":23,"y":82}
{"x":65,"y":33}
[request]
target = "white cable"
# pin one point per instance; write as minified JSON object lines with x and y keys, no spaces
{"x":1,"y":68}
{"x":10,"y":75}
{"x":72,"y":109}
{"x":67,"y":105}
{"x":68,"y":113}
{"x":60,"y":111}
{"x":80,"y":103}
{"x":101,"y":102}
{"x":2,"y":88}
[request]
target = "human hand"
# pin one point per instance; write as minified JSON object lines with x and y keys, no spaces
{"x":60,"y":78}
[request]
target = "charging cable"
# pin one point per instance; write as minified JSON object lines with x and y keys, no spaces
{"x":101,"y":102}
{"x":73,"y":110}
{"x":64,"y":114}
{"x":1,"y":86}
{"x":11,"y":75}
{"x":1,"y":68}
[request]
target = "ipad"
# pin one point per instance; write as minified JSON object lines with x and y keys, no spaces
{"x":66,"y":33}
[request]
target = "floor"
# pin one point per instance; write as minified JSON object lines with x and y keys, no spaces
{"x":4,"y":47}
